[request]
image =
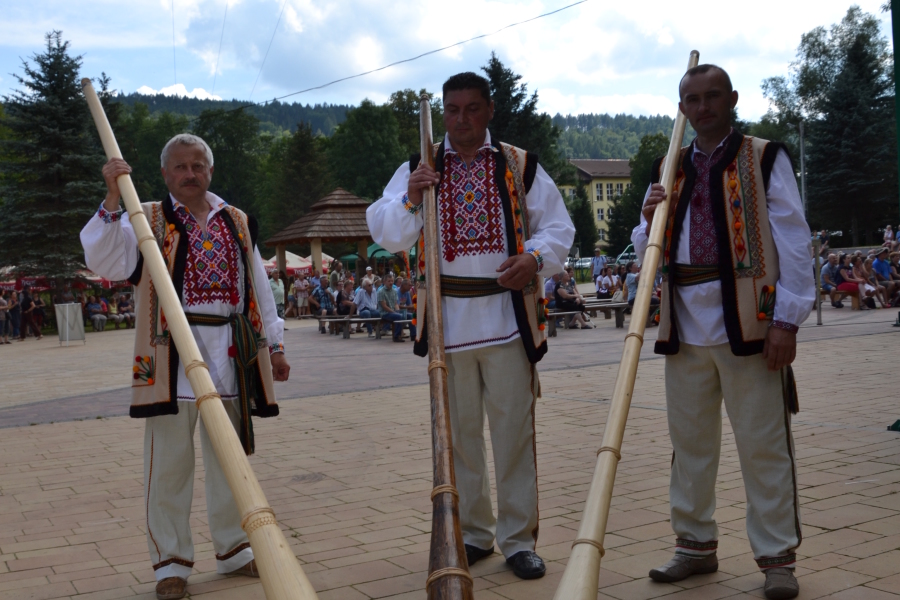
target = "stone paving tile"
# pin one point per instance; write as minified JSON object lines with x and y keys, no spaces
{"x":347,"y":468}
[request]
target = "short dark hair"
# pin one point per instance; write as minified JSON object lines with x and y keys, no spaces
{"x":468,"y":81}
{"x":701,"y":69}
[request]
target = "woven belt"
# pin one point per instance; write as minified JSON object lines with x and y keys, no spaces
{"x":470,"y":287}
{"x":246,"y":355}
{"x":694,"y":274}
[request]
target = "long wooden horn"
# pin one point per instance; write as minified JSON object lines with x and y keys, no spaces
{"x":448,"y":569}
{"x":281,"y":575}
{"x":581,"y":578}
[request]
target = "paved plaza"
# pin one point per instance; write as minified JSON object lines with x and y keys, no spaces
{"x":347,"y":469}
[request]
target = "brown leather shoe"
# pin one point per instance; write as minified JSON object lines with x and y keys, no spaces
{"x":682,"y":567}
{"x":781,"y":584}
{"x":248,"y":570}
{"x":171,"y":588}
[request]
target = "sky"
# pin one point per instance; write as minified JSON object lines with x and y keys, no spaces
{"x":601,"y":56}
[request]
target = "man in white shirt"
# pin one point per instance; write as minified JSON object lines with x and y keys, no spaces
{"x":738,"y":286}
{"x":499,"y":213}
{"x":220,"y":279}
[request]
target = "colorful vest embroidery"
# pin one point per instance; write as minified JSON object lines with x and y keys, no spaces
{"x":211,"y":270}
{"x":471,"y":211}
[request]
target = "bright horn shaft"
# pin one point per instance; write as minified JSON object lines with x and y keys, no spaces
{"x":281,"y":575}
{"x":581,"y":578}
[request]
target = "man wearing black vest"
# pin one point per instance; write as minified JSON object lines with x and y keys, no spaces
{"x":502,"y":221}
{"x":738,"y":285}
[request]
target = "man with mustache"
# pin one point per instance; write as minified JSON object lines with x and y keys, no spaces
{"x":738,"y":285}
{"x":502,"y":223}
{"x":210,"y":250}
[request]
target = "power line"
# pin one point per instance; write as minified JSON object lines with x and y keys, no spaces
{"x":174,"y":68}
{"x":222,"y":35}
{"x":406,"y":60}
{"x":283,"y":4}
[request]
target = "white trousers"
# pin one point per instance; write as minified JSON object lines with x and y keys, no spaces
{"x":499,"y":381}
{"x":169,"y":488}
{"x":697,"y":378}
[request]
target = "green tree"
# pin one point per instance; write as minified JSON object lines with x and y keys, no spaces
{"x":234,"y":139}
{"x":583,"y":219}
{"x":517,"y":121}
{"x":404,"y":105}
{"x":294,"y":176}
{"x":365,"y":150}
{"x":852,"y":149}
{"x":51,"y":163}
{"x":626,"y":211}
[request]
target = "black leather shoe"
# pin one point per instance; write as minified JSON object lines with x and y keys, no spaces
{"x":474,"y":554}
{"x":527,"y":565}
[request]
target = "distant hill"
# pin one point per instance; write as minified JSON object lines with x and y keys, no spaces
{"x":274,"y":116}
{"x":583,"y":136}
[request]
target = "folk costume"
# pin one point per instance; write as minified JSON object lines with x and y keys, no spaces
{"x":502,"y":204}
{"x":225,"y":293}
{"x":735,"y":263}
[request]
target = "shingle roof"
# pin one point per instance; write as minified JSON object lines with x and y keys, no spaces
{"x":607,"y":167}
{"x":339,"y":216}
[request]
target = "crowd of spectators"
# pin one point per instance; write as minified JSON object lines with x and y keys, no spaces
{"x":874,"y":277}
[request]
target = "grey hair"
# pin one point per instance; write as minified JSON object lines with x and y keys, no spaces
{"x":185,"y":139}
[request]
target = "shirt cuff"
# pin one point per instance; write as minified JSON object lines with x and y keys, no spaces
{"x":409,"y":206}
{"x":537,"y":256}
{"x":109,"y":217}
{"x":786,"y":326}
{"x":273,"y":348}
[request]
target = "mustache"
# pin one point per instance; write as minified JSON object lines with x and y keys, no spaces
{"x":187,"y":182}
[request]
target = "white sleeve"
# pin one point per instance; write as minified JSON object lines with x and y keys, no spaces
{"x":272,"y":323}
{"x":110,"y":245}
{"x":552,"y":231}
{"x":639,"y":234}
{"x":795,"y":291}
{"x":392,"y":225}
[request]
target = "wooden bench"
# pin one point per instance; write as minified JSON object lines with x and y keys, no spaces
{"x":346,"y":323}
{"x":607,"y":306}
{"x":854,"y":297}
{"x":553,"y":315}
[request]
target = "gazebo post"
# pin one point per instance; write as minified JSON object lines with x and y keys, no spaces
{"x":315,"y":248}
{"x":362,"y":248}
{"x":280,"y":259}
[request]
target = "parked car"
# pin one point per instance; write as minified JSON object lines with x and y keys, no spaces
{"x":628,"y":255}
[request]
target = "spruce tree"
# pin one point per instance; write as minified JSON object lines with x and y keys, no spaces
{"x":51,"y":165}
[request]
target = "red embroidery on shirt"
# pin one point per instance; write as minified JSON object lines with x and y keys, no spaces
{"x":211,"y":270}
{"x":471,"y":211}
{"x":703,"y":242}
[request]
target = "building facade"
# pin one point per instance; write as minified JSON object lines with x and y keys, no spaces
{"x":604,"y":180}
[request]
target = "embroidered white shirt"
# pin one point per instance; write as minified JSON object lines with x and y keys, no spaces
{"x":471,"y":323}
{"x":698,"y":308}
{"x":111,"y":251}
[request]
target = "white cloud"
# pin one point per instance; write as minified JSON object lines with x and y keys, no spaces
{"x":178,"y":90}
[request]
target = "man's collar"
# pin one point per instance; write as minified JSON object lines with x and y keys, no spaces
{"x":724,"y":141}
{"x":449,"y":148}
{"x":215,"y":203}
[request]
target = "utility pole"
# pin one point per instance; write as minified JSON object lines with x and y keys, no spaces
{"x":802,"y":168}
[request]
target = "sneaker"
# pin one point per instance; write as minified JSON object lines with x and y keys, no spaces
{"x":682,"y":567}
{"x":781,"y":584}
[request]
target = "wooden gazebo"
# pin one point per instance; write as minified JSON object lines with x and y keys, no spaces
{"x":338,"y":217}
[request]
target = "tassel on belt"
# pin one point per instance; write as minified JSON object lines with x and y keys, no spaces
{"x":693,"y":274}
{"x":470,"y":287}
{"x":246,"y":356}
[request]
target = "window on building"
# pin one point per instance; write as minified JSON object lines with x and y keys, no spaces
{"x":599,"y":214}
{"x":627,"y":186}
{"x":571,"y":192}
{"x":599,"y":188}
{"x":619,"y":189}
{"x":609,"y":213}
{"x":602,"y":234}
{"x":609,"y":191}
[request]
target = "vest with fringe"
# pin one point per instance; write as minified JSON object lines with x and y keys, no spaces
{"x":155,"y":384}
{"x":514,"y":176}
{"x":748,"y":259}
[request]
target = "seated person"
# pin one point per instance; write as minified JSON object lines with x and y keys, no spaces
{"x":881,"y":269}
{"x":95,"y":314}
{"x":828,"y":275}
{"x":366,"y":301}
{"x":603,"y":285}
{"x":345,"y":304}
{"x":631,"y":282}
{"x":570,"y":302}
{"x":389,"y":305}
{"x":550,"y":289}
{"x":113,"y":310}
{"x":126,"y":309}
{"x":322,"y":304}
